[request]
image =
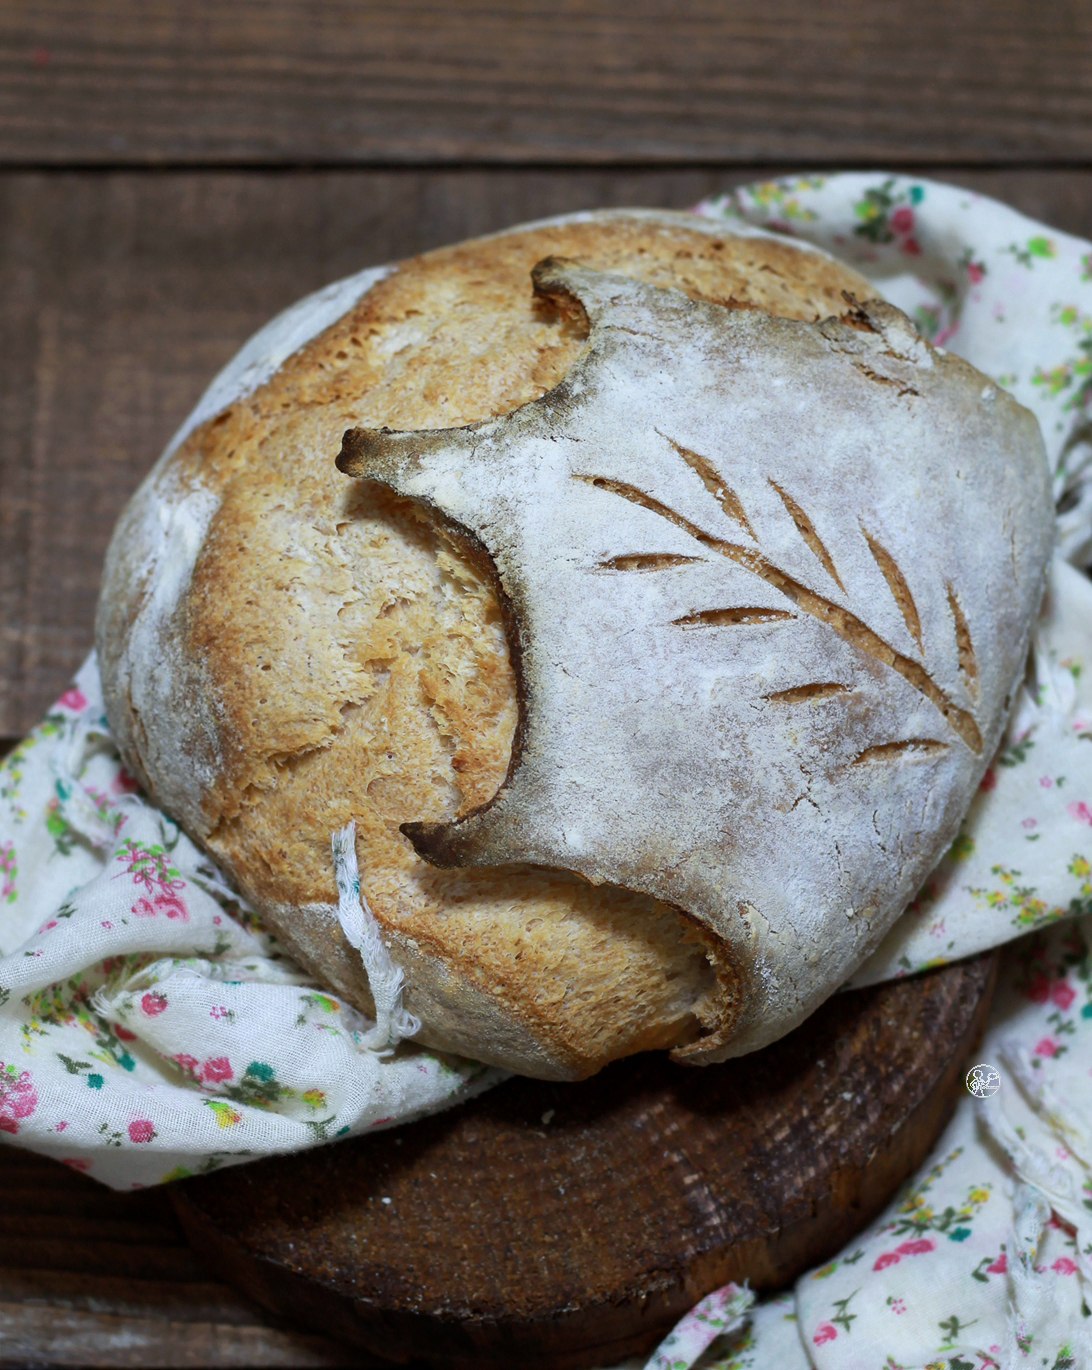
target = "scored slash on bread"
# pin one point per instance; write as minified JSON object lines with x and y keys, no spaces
{"x":285,"y":651}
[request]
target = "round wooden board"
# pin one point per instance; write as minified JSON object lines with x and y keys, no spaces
{"x":570,"y":1225}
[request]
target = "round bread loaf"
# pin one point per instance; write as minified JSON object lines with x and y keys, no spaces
{"x":285,"y":650}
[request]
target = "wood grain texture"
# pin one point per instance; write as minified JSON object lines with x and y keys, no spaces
{"x":125,"y":292}
{"x":559,"y":1226}
{"x":592,"y":81}
{"x":93,"y":1278}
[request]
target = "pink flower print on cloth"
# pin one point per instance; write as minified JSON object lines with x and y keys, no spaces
{"x":18,"y":1098}
{"x":156,"y":1029}
{"x":151,"y":871}
{"x":954,"y":1272}
{"x":918,"y":1247}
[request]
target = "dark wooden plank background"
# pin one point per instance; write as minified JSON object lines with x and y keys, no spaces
{"x":172,"y":172}
{"x":93,"y":1278}
{"x":395,"y":81}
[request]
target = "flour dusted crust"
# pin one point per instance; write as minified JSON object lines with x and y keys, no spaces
{"x":284,"y":650}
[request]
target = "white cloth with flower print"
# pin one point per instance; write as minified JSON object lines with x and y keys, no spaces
{"x":984,"y":1260}
{"x":150,"y":1029}
{"x":985,"y":1257}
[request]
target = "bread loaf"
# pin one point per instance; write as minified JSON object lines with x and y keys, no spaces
{"x":681,"y":675}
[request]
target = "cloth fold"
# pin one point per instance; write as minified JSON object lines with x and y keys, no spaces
{"x":150,"y":1028}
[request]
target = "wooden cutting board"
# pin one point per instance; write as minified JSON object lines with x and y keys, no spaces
{"x":558,"y":1226}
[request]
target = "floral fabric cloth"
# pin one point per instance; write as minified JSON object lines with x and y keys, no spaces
{"x":150,"y":1029}
{"x":984,"y":1260}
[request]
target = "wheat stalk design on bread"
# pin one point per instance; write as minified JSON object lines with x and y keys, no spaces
{"x":847,"y":625}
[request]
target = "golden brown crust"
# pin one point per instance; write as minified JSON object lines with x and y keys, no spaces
{"x":360,"y":670}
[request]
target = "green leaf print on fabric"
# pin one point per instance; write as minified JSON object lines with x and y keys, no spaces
{"x":975,"y":271}
{"x":990,"y":1265}
{"x":258,"y":1086}
{"x":915,"y":1215}
{"x":1017,"y":753}
{"x":779,"y":200}
{"x":952,"y":1328}
{"x":73,"y":1067}
{"x":1027,"y":910}
{"x":8,"y":870}
{"x":1038,"y":248}
{"x":64,"y":839}
{"x":1074,"y":375}
{"x":936,"y":322}
{"x":225,"y":1115}
{"x":825,"y":1271}
{"x":325,"y":1003}
{"x":887,"y":217}
{"x":323,"y":1128}
{"x":929,"y":319}
{"x":68,"y":1003}
{"x":843,"y":1317}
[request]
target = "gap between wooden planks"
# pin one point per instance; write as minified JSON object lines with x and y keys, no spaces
{"x":145,"y":82}
{"x":89,"y":1277}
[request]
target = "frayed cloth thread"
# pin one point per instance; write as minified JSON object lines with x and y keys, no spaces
{"x":1042,"y":1187}
{"x":393,"y":1022}
{"x":1034,"y":1306}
